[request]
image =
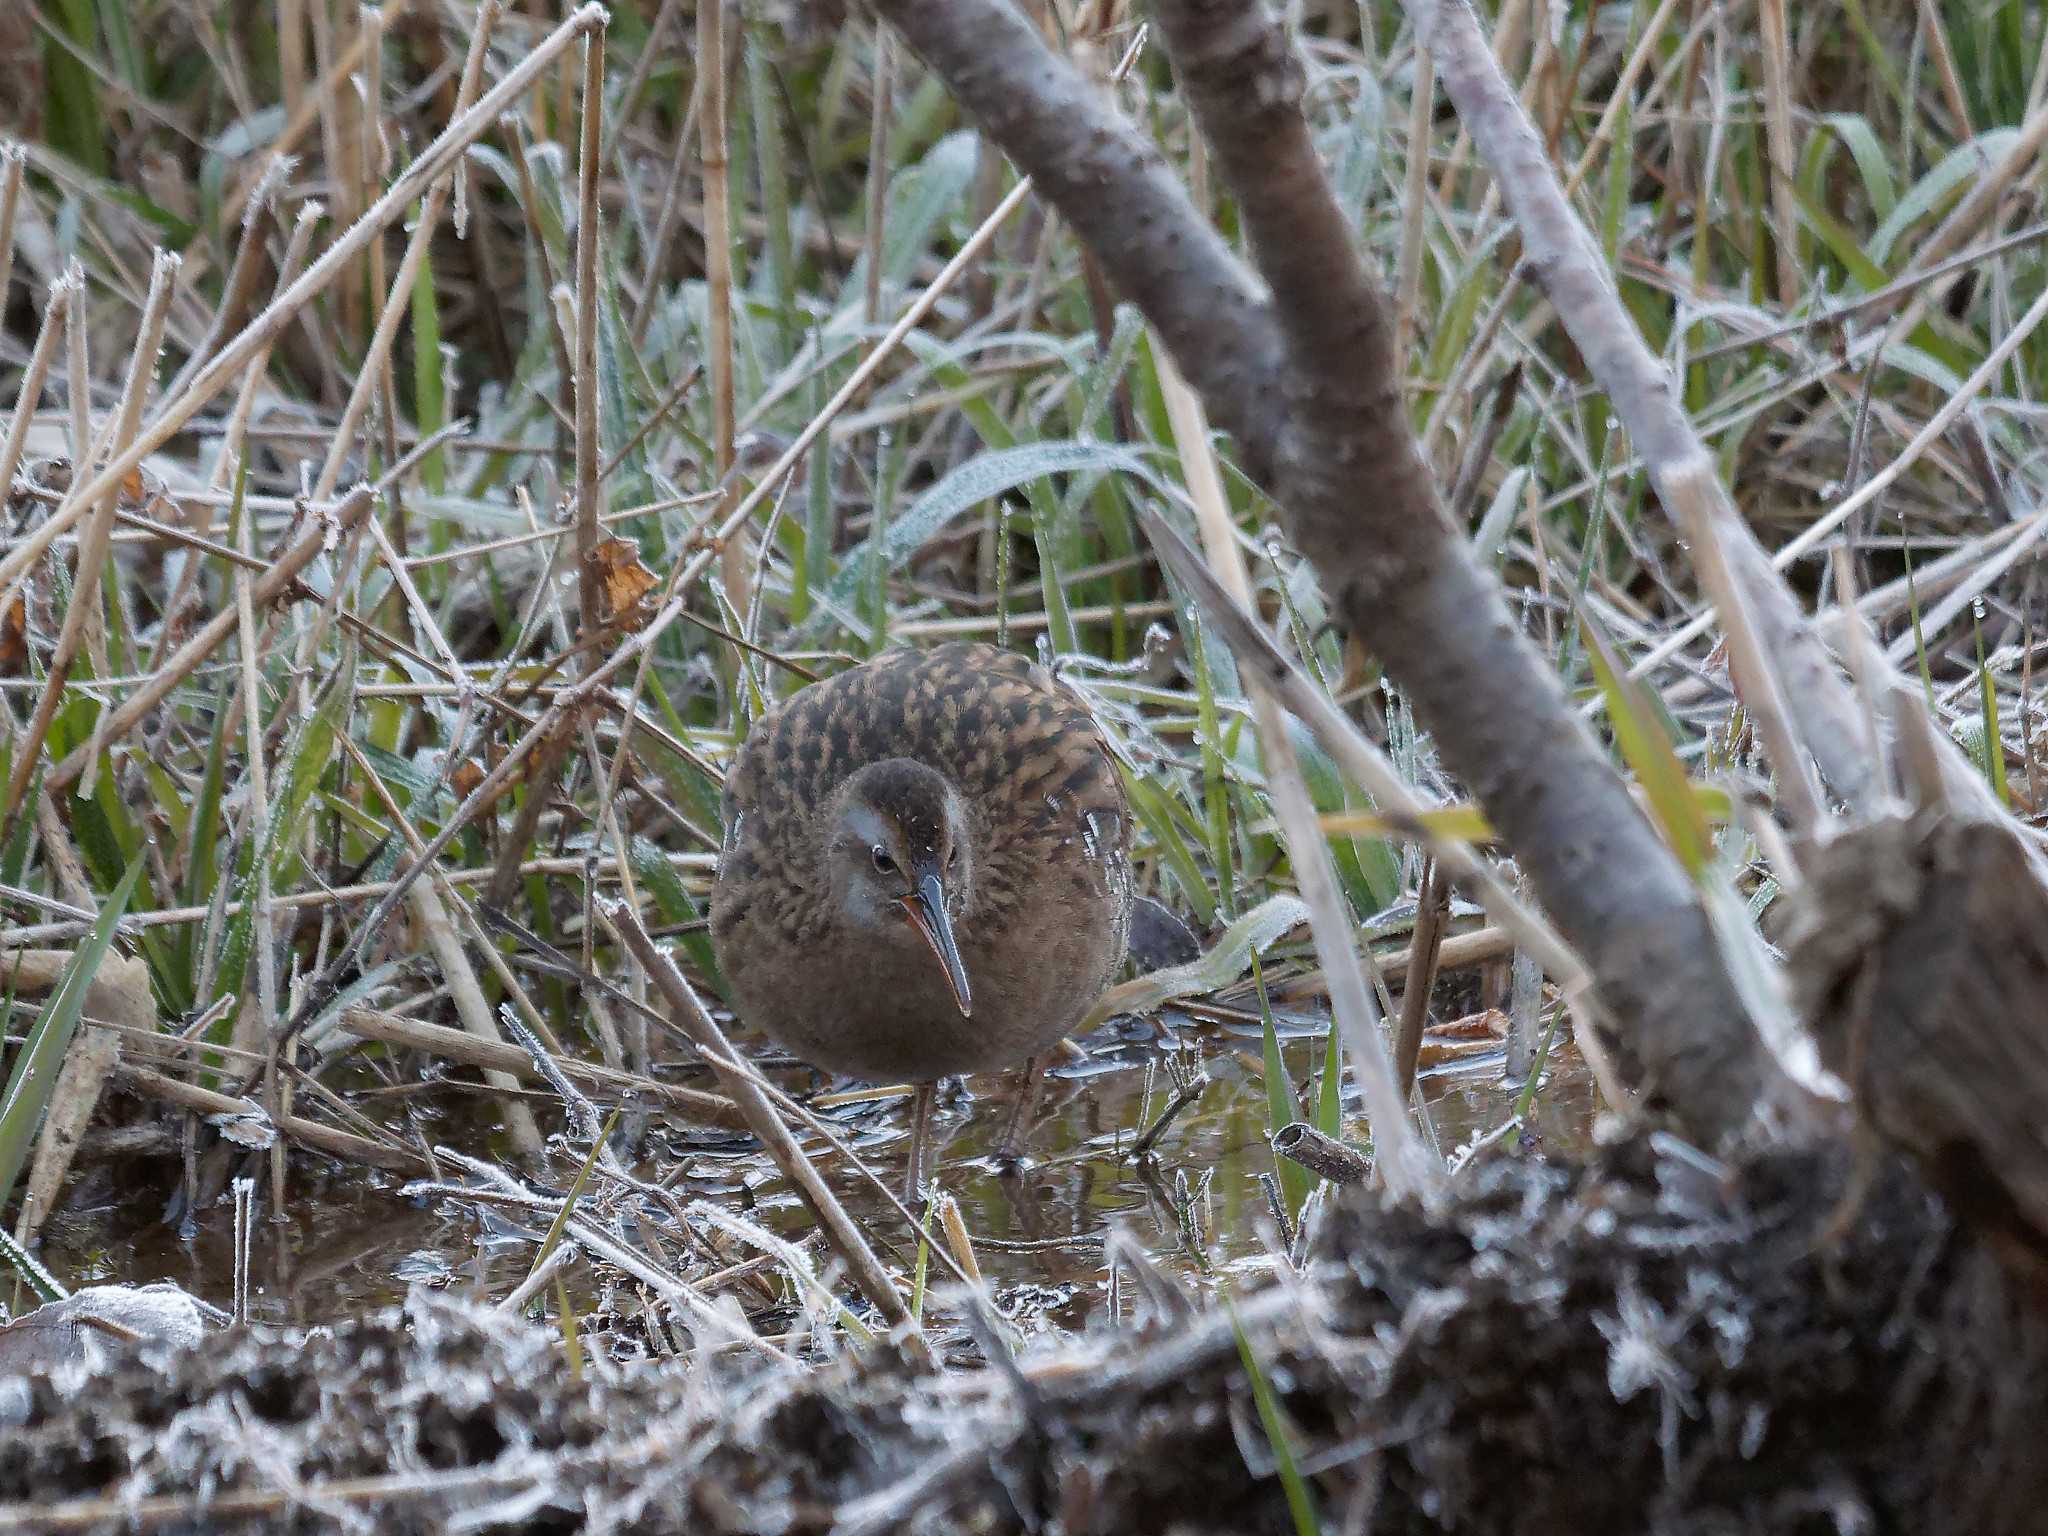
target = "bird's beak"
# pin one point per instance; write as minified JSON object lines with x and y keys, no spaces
{"x":926,"y":908}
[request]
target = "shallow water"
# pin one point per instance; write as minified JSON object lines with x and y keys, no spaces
{"x":352,"y":1239}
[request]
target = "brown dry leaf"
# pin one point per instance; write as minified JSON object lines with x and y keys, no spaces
{"x":1461,"y":1038}
{"x":626,"y":581}
{"x":467,"y":775}
{"x":1487,"y":1024}
{"x":140,"y":490}
{"x":14,"y":634}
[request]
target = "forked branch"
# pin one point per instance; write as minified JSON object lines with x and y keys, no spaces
{"x":1306,"y":381}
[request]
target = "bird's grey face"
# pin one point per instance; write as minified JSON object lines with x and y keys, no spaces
{"x":900,"y":862}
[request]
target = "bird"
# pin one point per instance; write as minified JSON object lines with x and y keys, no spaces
{"x":925,"y":871}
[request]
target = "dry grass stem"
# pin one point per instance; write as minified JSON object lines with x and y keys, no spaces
{"x":1402,"y":1159}
{"x":84,"y":607}
{"x":260,"y":332}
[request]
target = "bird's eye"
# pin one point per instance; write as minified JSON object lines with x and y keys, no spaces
{"x":883,"y":863}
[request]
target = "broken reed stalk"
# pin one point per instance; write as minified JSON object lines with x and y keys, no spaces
{"x":1302,"y":1143}
{"x":398,"y":296}
{"x":84,"y":607}
{"x":1425,"y":950}
{"x":474,"y":1010}
{"x":1296,"y":362}
{"x":1756,"y":681}
{"x":589,"y":528}
{"x":13,"y":162}
{"x":499,"y":1055}
{"x":245,"y":270}
{"x":259,"y":333}
{"x":711,"y":62}
{"x":346,"y":1145}
{"x":1779,"y":161}
{"x":229,"y":458}
{"x":48,"y":336}
{"x":688,"y":1013}
{"x":1402,"y":1159}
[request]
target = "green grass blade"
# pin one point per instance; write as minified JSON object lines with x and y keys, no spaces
{"x":1149,"y":803}
{"x":1281,"y":1109}
{"x":1650,"y":755}
{"x":1919,"y":638}
{"x":75,"y":124}
{"x":1330,"y":1097}
{"x":1053,"y":590}
{"x":1301,"y":1504}
{"x":306,"y":759}
{"x":429,"y":398}
{"x":36,"y":1065}
{"x":1994,"y":745}
{"x":1215,"y":786}
{"x":560,"y":1224}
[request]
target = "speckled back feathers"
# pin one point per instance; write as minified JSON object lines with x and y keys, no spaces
{"x":1018,"y":746}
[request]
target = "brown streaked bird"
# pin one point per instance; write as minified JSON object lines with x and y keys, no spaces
{"x":926,"y":869}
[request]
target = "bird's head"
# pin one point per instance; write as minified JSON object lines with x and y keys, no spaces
{"x":900,"y":860}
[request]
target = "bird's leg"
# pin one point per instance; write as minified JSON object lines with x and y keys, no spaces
{"x":920,"y":1143}
{"x":1018,"y":1131}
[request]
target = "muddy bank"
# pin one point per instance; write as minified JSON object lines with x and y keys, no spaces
{"x":1647,"y":1343}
